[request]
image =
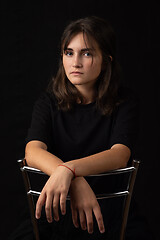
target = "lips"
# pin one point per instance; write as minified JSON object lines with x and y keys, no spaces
{"x":76,"y":73}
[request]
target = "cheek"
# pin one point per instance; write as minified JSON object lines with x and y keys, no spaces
{"x":96,"y":68}
{"x":66,"y":65}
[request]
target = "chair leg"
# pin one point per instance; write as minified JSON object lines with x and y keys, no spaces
{"x":33,"y":219}
{"x":22,"y":163}
{"x":135,"y":164}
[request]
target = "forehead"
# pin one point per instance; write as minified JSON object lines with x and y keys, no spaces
{"x":81,"y":40}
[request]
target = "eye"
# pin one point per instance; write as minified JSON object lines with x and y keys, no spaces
{"x":68,"y":53}
{"x":87,"y":54}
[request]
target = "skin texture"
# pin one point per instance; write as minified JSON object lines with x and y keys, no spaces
{"x":82,"y":64}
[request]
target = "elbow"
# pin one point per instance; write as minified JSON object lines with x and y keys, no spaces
{"x":124,"y":161}
{"x":28,"y":154}
{"x":32,"y":150}
{"x":122,"y":154}
{"x":125,"y":158}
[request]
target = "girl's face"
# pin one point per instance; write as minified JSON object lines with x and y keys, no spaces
{"x":82,"y":62}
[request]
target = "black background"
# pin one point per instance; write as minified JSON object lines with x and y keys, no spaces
{"x":30,"y":34}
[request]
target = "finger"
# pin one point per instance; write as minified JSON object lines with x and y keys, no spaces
{"x":74,"y":217}
{"x":48,"y":208}
{"x":99,"y":218}
{"x":82,"y":219}
{"x":63,"y":203}
{"x":89,"y":218}
{"x":40,"y":202}
{"x":55,"y":207}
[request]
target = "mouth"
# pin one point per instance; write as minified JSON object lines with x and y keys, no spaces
{"x":76,"y":73}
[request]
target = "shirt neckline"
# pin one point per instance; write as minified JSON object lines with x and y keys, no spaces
{"x":85,"y":106}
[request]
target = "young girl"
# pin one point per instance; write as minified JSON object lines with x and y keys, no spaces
{"x":86,"y":123}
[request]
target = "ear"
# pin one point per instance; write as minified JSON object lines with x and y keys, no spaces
{"x":111,"y":58}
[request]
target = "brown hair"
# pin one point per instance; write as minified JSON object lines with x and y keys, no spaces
{"x":107,"y":83}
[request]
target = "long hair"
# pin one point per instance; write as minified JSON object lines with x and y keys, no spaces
{"x":107,"y":84}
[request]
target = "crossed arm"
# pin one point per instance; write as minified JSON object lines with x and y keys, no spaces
{"x":83,"y":200}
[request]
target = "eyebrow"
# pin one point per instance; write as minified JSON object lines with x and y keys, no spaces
{"x":82,"y":50}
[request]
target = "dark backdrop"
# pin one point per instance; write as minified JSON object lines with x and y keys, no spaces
{"x":30,"y":35}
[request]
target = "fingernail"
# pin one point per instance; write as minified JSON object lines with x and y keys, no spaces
{"x":63,"y":212}
{"x":84,"y":228}
{"x":56,"y":219}
{"x":49,"y":220}
{"x":102,"y":230}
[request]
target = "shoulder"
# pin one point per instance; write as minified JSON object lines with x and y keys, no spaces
{"x":128,"y":106}
{"x":126,"y":119}
{"x":45,"y":100}
{"x":128,"y":97}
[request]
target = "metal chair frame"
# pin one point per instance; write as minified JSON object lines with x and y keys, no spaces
{"x":127,"y":193}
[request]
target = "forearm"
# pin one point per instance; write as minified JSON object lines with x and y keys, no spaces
{"x":37,"y":156}
{"x":114,"y":158}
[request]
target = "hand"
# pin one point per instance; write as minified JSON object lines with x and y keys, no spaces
{"x":54,"y":193}
{"x":84,"y":203}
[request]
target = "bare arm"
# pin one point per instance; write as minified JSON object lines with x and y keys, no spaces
{"x":114,"y":158}
{"x":37,"y":156}
{"x":56,"y":188}
{"x":52,"y":195}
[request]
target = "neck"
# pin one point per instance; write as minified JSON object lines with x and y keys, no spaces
{"x":87,"y":94}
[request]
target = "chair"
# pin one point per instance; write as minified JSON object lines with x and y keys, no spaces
{"x":127,"y":193}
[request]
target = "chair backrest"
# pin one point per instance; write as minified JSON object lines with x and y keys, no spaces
{"x":127,"y":193}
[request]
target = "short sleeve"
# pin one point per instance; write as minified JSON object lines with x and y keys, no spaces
{"x":41,"y":125}
{"x":126,"y":123}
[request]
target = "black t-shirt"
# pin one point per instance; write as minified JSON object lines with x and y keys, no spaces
{"x":81,"y":132}
{"x":84,"y":130}
{"x":75,"y":134}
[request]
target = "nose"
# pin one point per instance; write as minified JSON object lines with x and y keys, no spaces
{"x":77,"y":63}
